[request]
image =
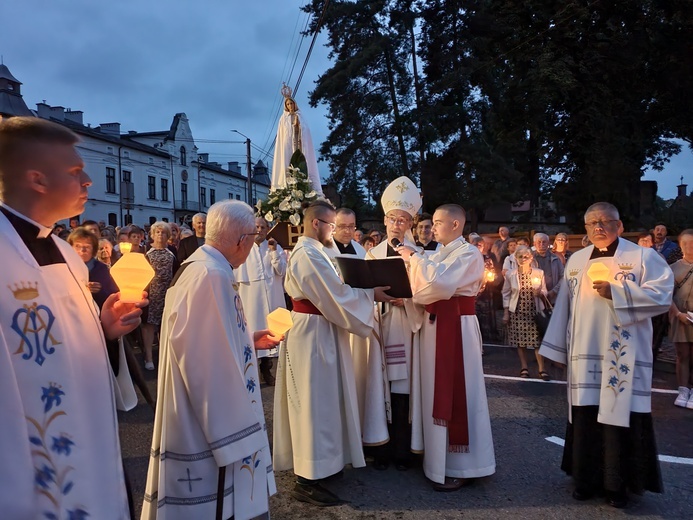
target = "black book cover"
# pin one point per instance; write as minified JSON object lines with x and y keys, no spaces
{"x":366,"y":274}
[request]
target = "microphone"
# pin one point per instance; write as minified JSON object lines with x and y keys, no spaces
{"x":395,"y":242}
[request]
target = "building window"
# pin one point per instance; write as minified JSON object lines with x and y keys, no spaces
{"x":238,"y":197}
{"x":112,"y":219}
{"x":110,"y":150}
{"x":203,"y":197}
{"x":151,"y":187}
{"x":152,"y":220}
{"x":183,"y":156}
{"x":212,"y":196}
{"x":110,"y":180}
{"x":184,"y":193}
{"x":151,"y":160}
{"x":164,"y":190}
{"x":126,"y":154}
{"x":127,"y":176}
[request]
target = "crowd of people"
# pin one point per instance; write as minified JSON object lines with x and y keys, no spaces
{"x":360,"y":374}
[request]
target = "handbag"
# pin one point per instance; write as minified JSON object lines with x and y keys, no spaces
{"x":542,"y":317}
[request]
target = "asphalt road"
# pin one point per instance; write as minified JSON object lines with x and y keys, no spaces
{"x":528,"y":482}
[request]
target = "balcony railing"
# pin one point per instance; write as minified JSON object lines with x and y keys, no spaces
{"x":186,"y":205}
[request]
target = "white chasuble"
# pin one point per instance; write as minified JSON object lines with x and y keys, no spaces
{"x":209,"y":409}
{"x":607,"y":344}
{"x":316,"y":417}
{"x":59,"y":442}
{"x":454,"y":270}
{"x":261,"y":286}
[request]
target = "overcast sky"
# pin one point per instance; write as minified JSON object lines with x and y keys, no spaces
{"x":139,"y":62}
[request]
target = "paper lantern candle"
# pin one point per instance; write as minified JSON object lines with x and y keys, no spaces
{"x":536,"y":282}
{"x":598,"y":272}
{"x":132,"y":273}
{"x":279,"y":322}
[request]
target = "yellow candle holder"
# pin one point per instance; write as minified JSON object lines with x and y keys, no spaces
{"x":279,"y":322}
{"x":598,"y":272}
{"x":132,"y":273}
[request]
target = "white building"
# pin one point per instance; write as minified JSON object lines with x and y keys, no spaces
{"x":142,"y":177}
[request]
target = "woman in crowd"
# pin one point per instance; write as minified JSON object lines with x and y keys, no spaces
{"x":105,"y":251}
{"x":561,"y":247}
{"x":368,"y":242}
{"x":165,"y":264}
{"x":521,"y":290}
{"x":510,"y":262}
{"x":485,"y":311}
{"x":645,"y":239}
{"x":681,"y":332}
{"x":174,"y":241}
{"x":86,"y":245}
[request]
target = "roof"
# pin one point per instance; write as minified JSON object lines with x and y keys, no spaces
{"x":13,"y":105}
{"x":92,"y":132}
{"x":218,"y":169}
{"x":169,"y":135}
{"x":6,"y":74}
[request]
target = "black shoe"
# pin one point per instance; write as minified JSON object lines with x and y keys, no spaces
{"x":581,"y":493}
{"x":381,"y":464}
{"x":315,"y":494}
{"x":402,"y":464}
{"x":617,"y":499}
{"x":336,"y":476}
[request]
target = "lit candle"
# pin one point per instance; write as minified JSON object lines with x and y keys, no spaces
{"x":490,"y":276}
{"x":598,"y":272}
{"x":536,"y":282}
{"x":132,"y":273}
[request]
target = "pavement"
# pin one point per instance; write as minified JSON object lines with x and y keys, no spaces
{"x":528,"y":483}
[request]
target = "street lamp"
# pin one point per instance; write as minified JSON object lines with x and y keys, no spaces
{"x":249,"y":167}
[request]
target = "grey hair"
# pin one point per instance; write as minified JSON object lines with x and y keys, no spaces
{"x":160,"y":224}
{"x":199,"y":216}
{"x":540,"y":235}
{"x":604,"y":206}
{"x":521,"y":249}
{"x":227,"y":220}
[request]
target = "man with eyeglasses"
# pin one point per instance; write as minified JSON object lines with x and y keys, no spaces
{"x":458,"y":444}
{"x":209,"y":425}
{"x":343,"y":237}
{"x":601,"y":330}
{"x":316,"y":417}
{"x":261,"y":279}
{"x":387,"y":374}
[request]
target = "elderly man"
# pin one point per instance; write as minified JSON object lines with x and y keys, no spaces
{"x":387,"y":391}
{"x":458,"y":444}
{"x":601,"y":329}
{"x":59,"y":441}
{"x":316,"y":420}
{"x":665,"y":247}
{"x":424,"y":233}
{"x":343,"y":237}
{"x":499,"y":249}
{"x":190,"y":244}
{"x":261,"y":280}
{"x":210,"y":451}
{"x":549,"y":263}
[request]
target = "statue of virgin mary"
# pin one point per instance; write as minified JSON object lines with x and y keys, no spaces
{"x":293,"y":134}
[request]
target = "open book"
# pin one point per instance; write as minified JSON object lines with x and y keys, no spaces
{"x":366,"y":274}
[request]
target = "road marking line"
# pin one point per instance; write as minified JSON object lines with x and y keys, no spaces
{"x":528,"y":380}
{"x":662,"y":458}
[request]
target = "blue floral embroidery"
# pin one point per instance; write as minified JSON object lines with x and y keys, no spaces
{"x":62,"y":445}
{"x":51,"y":395}
{"x":77,"y":514}
{"x":618,"y":349}
{"x":250,"y":385}
{"x":44,"y":476}
{"x":249,"y":464}
{"x":247,"y":353}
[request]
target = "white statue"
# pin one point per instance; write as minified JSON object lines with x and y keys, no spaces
{"x":293,"y":134}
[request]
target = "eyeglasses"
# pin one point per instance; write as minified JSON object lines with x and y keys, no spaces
{"x":346,"y":227}
{"x":331,"y":224}
{"x":398,"y":221}
{"x":242,"y":238}
{"x":599,"y":223}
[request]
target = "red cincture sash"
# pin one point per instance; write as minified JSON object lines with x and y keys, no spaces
{"x":450,"y":392}
{"x":305,"y":307}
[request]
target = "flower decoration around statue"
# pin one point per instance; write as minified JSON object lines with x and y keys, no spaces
{"x":285,"y":203}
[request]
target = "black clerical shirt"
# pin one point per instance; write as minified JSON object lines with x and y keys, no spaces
{"x":431,"y":246}
{"x":347,"y":249}
{"x":607,"y":252}
{"x":43,"y":250}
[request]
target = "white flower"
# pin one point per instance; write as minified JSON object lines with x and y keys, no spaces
{"x":311,"y":194}
{"x":259,"y":205}
{"x":297,"y":193}
{"x":296,"y":204}
{"x":291,"y":180}
{"x":295,"y":219}
{"x":284,"y":206}
{"x":269,"y":217}
{"x":287,"y":198}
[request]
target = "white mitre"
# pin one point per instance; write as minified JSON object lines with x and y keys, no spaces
{"x":401,"y":194}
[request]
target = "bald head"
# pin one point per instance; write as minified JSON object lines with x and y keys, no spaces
{"x":448,"y":223}
{"x":318,"y":209}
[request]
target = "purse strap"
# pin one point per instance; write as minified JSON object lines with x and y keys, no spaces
{"x":680,"y":284}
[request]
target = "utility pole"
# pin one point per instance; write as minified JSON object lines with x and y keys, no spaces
{"x":249,"y":169}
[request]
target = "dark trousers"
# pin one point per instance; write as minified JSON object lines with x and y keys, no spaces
{"x":399,"y":447}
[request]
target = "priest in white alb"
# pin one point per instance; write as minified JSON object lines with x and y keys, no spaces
{"x":316,"y":418}
{"x":393,"y":366}
{"x":59,"y":447}
{"x":601,"y":329}
{"x":261,"y":286}
{"x":458,"y":444}
{"x":210,"y":448}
